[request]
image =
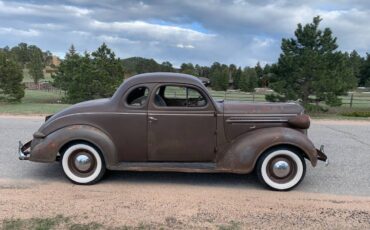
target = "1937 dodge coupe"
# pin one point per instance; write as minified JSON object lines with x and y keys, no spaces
{"x":169,"y":122}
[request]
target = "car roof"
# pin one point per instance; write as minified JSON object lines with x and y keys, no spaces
{"x":160,"y":77}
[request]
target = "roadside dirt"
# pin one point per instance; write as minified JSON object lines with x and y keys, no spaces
{"x":28,"y":117}
{"x":181,"y":206}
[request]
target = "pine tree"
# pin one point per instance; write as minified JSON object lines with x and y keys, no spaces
{"x":365,"y":72}
{"x":89,"y":76}
{"x":259,"y":72}
{"x":11,"y":87}
{"x":72,"y":50}
{"x":237,"y":77}
{"x":36,"y":63}
{"x":249,"y":80}
{"x":219,"y":76}
{"x":310,"y":65}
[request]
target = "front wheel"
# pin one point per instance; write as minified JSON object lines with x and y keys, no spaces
{"x":83,"y":164}
{"x":281,"y":168}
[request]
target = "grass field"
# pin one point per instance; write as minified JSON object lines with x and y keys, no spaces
{"x":360,"y":100}
{"x":44,"y":102}
{"x":35,"y":102}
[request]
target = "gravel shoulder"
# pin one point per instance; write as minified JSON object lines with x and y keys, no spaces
{"x":168,"y":206}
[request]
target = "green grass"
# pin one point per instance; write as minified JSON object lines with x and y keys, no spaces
{"x":341,"y":112}
{"x":38,"y":96}
{"x":34,"y":223}
{"x":35,"y":102}
{"x":31,"y":108}
{"x":357,"y":114}
{"x":231,"y":226}
{"x":43,"y":102}
{"x":62,"y":222}
{"x":58,"y":222}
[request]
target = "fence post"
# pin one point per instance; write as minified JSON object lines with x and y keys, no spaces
{"x":253,"y":97}
{"x":351,"y":101}
{"x":225,"y":96}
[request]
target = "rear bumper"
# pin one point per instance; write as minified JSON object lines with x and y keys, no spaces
{"x":24,"y":150}
{"x":322,"y":156}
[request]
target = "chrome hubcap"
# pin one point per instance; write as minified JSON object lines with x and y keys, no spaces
{"x":281,"y":168}
{"x":83,"y":162}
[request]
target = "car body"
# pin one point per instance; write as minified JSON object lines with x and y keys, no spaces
{"x":206,"y":82}
{"x":169,"y":122}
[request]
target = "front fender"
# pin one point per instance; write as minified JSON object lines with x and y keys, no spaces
{"x":242,"y":154}
{"x":46,"y":149}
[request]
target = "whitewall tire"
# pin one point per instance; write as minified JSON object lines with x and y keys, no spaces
{"x":281,"y":168}
{"x":82,"y":164}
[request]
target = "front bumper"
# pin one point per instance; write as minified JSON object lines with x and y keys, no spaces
{"x":322,"y":156}
{"x":24,"y":150}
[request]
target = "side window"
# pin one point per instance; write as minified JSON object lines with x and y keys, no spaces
{"x":195,"y":99}
{"x":175,"y":92}
{"x":138,"y":96}
{"x":179,"y":96}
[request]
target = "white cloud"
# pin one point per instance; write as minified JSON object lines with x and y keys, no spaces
{"x":263,"y":42}
{"x":182,"y":46}
{"x":162,"y":32}
{"x":48,"y":26}
{"x":81,"y":33}
{"x":76,"y":10}
{"x":18,"y":32}
{"x":115,"y":39}
{"x":37,"y":10}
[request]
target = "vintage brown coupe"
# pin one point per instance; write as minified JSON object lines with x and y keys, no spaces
{"x":169,"y":122}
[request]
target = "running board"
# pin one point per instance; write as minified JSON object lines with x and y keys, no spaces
{"x":165,"y":167}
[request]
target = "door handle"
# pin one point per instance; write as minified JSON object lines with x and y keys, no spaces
{"x":153,"y":119}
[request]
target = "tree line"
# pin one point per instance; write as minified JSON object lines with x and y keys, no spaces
{"x":96,"y":75}
{"x":13,"y":61}
{"x":309,"y":64}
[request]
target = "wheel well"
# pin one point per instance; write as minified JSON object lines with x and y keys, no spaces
{"x":293,"y":147}
{"x":70,"y":143}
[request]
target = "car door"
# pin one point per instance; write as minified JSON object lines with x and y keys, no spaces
{"x":181,"y":125}
{"x":130,"y":127}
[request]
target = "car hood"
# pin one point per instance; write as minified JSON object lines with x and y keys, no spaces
{"x":98,"y":105}
{"x":262,"y":108}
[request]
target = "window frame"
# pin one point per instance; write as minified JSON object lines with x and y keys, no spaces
{"x":199,"y":90}
{"x":130,"y":90}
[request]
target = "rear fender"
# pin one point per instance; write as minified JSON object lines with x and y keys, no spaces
{"x":242,"y":154}
{"x":46,"y":149}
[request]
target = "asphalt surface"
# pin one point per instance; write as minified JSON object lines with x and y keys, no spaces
{"x":347,"y":145}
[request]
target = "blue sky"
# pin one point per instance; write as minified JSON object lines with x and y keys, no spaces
{"x":203,"y":31}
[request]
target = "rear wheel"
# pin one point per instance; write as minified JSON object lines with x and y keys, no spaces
{"x":83,"y":164}
{"x":281,"y":168}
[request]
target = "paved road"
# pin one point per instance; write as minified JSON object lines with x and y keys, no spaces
{"x":347,"y":145}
